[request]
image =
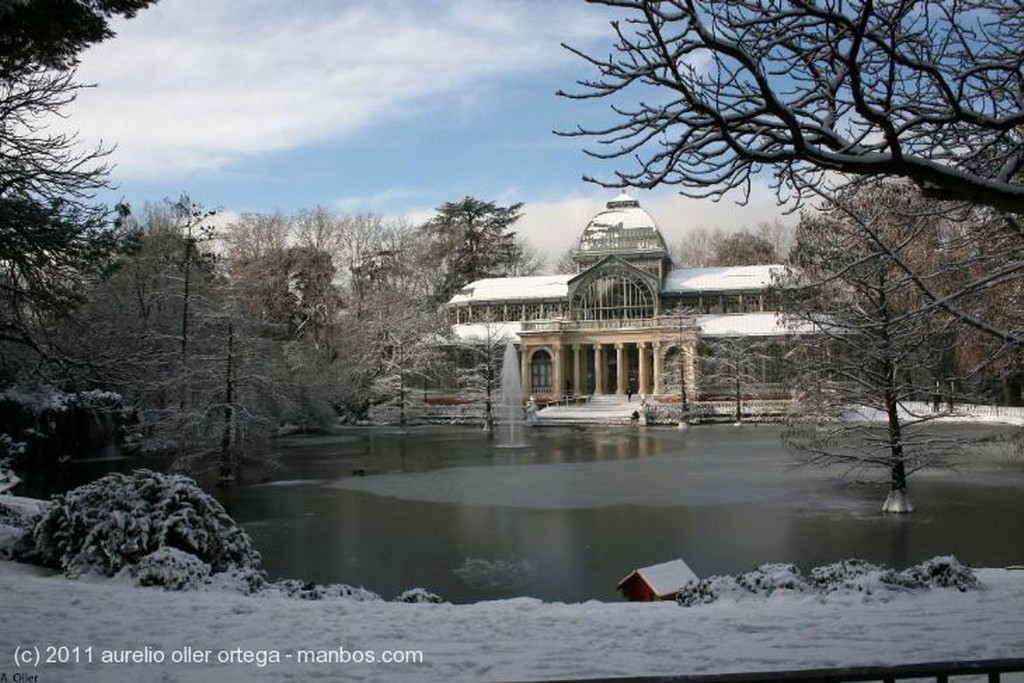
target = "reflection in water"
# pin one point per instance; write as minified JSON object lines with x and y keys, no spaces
{"x":568,"y":516}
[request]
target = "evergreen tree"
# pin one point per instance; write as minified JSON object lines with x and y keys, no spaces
{"x":470,"y":240}
{"x":53,"y":236}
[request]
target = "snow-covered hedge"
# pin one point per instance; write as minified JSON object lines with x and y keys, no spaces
{"x":419,"y":595}
{"x":938,"y":572}
{"x":116,"y":521}
{"x":847,"y":576}
{"x":305,"y":590}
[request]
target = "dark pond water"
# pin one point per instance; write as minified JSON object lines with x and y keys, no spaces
{"x":568,"y":516}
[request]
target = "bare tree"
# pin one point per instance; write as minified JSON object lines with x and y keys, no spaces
{"x":482,"y":374}
{"x":731,"y":365}
{"x":745,"y":249}
{"x":930,"y":91}
{"x":878,"y":345}
{"x":405,"y":348}
{"x":702,"y":248}
{"x":566,"y":264}
{"x":697,"y":248}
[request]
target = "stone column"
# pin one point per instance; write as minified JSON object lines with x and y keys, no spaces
{"x":558,"y":376}
{"x":598,"y":369}
{"x":621,"y":368}
{"x":659,"y":368}
{"x":644,"y":387}
{"x":577,"y":370}
{"x":525,"y":378}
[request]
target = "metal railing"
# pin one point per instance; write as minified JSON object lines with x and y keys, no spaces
{"x":938,"y":671}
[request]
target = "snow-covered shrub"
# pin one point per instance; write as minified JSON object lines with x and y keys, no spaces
{"x":305,"y":590}
{"x":840,"y":577}
{"x":17,"y":518}
{"x":853,"y":575}
{"x":246,"y":581}
{"x":12,"y":539}
{"x":769,"y":578}
{"x":706,"y":590}
{"x":172,"y":569}
{"x":938,"y":572}
{"x":119,"y":519}
{"x":419,"y":595}
{"x":763,"y":581}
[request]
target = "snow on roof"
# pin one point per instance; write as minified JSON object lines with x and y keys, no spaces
{"x":665,"y":578}
{"x":742,"y":325}
{"x":514,"y":288}
{"x":722,"y":279}
{"x":479,"y":331}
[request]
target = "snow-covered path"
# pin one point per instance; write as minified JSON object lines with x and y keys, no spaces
{"x":502,"y":640}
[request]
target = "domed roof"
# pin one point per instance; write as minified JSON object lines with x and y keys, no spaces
{"x":622,"y":228}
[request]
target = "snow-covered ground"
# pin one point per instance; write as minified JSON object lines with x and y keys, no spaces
{"x":517,"y":639}
{"x":965,"y":413}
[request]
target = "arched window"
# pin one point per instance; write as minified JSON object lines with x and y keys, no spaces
{"x":614,"y":296}
{"x":540,"y":370}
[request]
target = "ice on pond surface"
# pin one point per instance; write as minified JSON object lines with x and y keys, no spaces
{"x":479,"y":572}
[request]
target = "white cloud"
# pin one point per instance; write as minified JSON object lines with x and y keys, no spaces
{"x":192,"y":85}
{"x":383,"y":202}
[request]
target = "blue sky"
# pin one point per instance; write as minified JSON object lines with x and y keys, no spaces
{"x":384,"y":106}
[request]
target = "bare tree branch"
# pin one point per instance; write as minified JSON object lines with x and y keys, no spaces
{"x":931,"y":91}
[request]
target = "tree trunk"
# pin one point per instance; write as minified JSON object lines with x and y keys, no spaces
{"x":739,"y":399}
{"x":1012,"y":388}
{"x":488,"y":412}
{"x":401,"y":387}
{"x":227,"y":465}
{"x":897,"y":500}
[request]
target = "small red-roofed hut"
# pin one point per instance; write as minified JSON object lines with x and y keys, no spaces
{"x":657,"y":582}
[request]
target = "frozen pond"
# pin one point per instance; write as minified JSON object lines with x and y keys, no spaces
{"x":568,"y":516}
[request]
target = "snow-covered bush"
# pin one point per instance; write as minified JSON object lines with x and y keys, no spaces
{"x":119,"y":519}
{"x":17,"y":518}
{"x":938,"y":572}
{"x":764,"y":581}
{"x":769,"y":578}
{"x":305,"y":590}
{"x":853,"y":575}
{"x":419,"y":595}
{"x":847,"y":576}
{"x":246,"y":581}
{"x":170,"y":568}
